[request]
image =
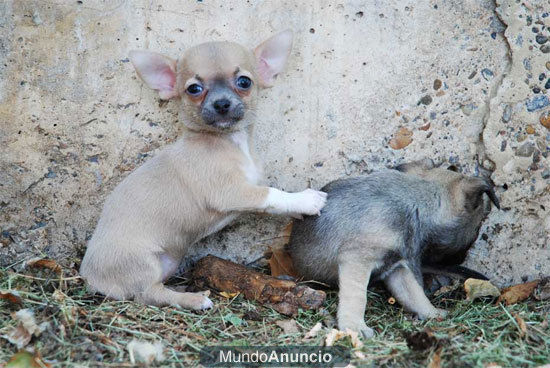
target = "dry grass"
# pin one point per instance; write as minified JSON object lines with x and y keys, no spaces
{"x":90,"y":331}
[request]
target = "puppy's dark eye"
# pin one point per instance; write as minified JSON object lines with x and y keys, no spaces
{"x":243,"y":82}
{"x":194,"y":89}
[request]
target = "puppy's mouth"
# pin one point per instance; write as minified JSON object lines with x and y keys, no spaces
{"x":224,"y":124}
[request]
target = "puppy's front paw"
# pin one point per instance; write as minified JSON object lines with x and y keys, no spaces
{"x":196,"y":301}
{"x":358,"y":326}
{"x":310,"y":202}
{"x":434,"y":313}
{"x":206,"y":303}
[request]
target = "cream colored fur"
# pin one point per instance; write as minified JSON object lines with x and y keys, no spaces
{"x":190,"y":189}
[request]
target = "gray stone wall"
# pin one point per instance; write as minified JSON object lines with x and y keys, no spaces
{"x":369,"y":84}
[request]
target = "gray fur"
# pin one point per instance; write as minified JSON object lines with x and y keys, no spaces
{"x":416,"y":215}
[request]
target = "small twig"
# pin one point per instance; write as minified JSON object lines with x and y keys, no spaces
{"x":46,"y":279}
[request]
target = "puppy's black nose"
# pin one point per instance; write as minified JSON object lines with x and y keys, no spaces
{"x":222,"y":106}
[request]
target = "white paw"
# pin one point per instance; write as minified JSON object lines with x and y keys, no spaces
{"x":206,"y":304}
{"x":358,"y":326}
{"x":310,"y":202}
{"x":433,"y":313}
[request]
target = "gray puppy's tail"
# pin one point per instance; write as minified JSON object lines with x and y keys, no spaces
{"x":454,"y":271}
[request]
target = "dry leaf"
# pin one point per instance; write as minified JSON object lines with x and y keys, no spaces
{"x":435,"y":362}
{"x":521,"y":324}
{"x":11,"y":297}
{"x":543,"y":290}
{"x":479,"y":288}
{"x":228,"y":295}
{"x":145,"y":352}
{"x":280,"y":262}
{"x":25,"y":359}
{"x":45,"y":263}
{"x":447,"y":288}
{"x":289,"y":326}
{"x":252,"y":315}
{"x":313,"y":332}
{"x":421,"y":340}
{"x":21,"y":335}
{"x":517,"y":293}
{"x":335,"y":335}
{"x":401,"y":139}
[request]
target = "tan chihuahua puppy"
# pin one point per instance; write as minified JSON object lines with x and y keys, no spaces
{"x":197,"y":185}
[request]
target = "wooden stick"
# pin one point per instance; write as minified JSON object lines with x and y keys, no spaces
{"x":284,"y":296}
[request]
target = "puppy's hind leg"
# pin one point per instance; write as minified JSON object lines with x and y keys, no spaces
{"x":156,"y":293}
{"x":353,"y":278}
{"x":405,"y":287}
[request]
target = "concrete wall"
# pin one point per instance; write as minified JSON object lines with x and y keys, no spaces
{"x":456,"y":76}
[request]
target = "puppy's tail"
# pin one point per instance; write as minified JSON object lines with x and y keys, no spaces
{"x":454,"y":271}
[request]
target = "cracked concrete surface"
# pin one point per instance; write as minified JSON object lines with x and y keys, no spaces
{"x":456,"y":80}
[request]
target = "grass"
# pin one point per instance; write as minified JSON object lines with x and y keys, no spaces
{"x":91,"y":331}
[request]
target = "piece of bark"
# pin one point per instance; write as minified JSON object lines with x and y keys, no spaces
{"x":284,"y":296}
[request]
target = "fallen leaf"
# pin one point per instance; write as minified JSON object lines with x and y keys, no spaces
{"x":447,"y":288}
{"x":11,"y":297}
{"x":25,"y":359}
{"x":45,"y":263}
{"x":521,"y":325}
{"x":280,"y":262}
{"x":252,"y":315}
{"x":479,"y":288}
{"x":228,"y":295}
{"x":421,"y":340}
{"x":424,"y":340}
{"x":401,"y":139}
{"x":355,"y":341}
{"x":145,"y":352}
{"x":435,"y":361}
{"x":21,"y":335}
{"x":289,"y":326}
{"x":517,"y":293}
{"x":542,"y":292}
{"x":313,"y":332}
{"x":335,"y":335}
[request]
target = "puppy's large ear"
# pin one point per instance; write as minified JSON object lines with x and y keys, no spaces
{"x":157,"y":71}
{"x":271,"y":57}
{"x":474,"y":192}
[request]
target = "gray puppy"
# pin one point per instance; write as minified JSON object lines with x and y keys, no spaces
{"x":387,"y":226}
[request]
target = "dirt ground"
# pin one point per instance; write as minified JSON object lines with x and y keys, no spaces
{"x":75,"y":328}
